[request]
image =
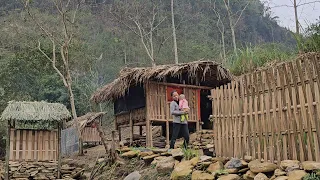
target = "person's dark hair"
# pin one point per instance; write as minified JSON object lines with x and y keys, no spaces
{"x":173,"y":92}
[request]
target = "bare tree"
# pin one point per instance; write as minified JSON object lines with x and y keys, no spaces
{"x":142,"y":22}
{"x":63,"y":42}
{"x":221,"y":28}
{"x":175,"y":47}
{"x":232,"y":22}
{"x":296,"y":16}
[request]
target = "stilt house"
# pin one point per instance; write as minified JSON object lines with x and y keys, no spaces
{"x":141,"y":96}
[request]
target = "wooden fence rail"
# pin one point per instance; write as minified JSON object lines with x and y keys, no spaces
{"x":272,"y":114}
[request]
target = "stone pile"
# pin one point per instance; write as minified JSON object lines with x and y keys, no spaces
{"x":42,"y":170}
{"x":203,"y":140}
{"x":140,"y":141}
{"x":210,"y":168}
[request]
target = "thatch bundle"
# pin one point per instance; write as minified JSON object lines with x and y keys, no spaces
{"x":35,"y":115}
{"x":208,"y":71}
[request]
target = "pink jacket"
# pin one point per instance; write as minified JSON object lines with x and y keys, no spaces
{"x":183,"y":104}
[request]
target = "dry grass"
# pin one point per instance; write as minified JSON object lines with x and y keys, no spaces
{"x":35,"y":111}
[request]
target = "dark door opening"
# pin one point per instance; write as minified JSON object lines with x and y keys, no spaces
{"x":205,"y":109}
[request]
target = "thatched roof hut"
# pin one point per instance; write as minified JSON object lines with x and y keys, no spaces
{"x":210,"y":73}
{"x":35,"y":115}
{"x":85,"y":119}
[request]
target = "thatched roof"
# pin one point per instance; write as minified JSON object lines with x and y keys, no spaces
{"x":34,"y":115}
{"x":85,"y":119}
{"x":209,"y":71}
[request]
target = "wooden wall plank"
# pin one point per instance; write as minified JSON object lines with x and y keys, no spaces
{"x":18,"y":145}
{"x":12,"y":144}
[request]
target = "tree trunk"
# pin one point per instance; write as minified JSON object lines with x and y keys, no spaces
{"x":234,"y":40}
{"x":296,"y":16}
{"x":175,"y":47}
{"x":223,"y":49}
{"x":232,"y":25}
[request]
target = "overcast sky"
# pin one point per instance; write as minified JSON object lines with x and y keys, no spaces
{"x":307,"y":13}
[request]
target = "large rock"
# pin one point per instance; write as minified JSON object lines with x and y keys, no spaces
{"x":296,"y":175}
{"x":221,"y":159}
{"x":194,"y":161}
{"x":209,"y":146}
{"x":282,"y":178}
{"x":244,"y":170}
{"x":165,"y":165}
{"x":229,"y":177}
{"x":261,"y":176}
{"x":133,"y":176}
{"x":249,"y":175}
{"x":157,"y":159}
{"x":311,"y":165}
{"x":159,"y":151}
{"x":130,"y":154}
{"x":258,"y":167}
{"x":182,"y":170}
{"x":293,"y":164}
{"x":145,"y":153}
{"x":215,"y":167}
{"x":232,"y":171}
{"x":248,"y":158}
{"x":177,"y":154}
{"x":199,"y":175}
{"x":235,"y":163}
{"x":205,"y":158}
{"x":279,"y":172}
{"x":149,"y":159}
{"x":124,"y":149}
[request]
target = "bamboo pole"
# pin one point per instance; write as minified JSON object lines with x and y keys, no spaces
{"x":7,"y":150}
{"x":59,"y":150}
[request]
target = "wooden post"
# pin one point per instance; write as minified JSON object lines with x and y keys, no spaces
{"x":113,"y":148}
{"x":150,"y":134}
{"x":140,"y":130}
{"x":7,"y":150}
{"x":59,"y":150}
{"x":167,"y":133}
{"x":119,"y":132}
{"x":148,"y":138}
{"x":198,"y":126}
{"x":131,"y":129}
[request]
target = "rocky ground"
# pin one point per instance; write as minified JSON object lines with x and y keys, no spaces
{"x":181,"y":165}
{"x":197,"y":163}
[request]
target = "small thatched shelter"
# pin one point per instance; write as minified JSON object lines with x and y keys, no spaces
{"x":141,"y":95}
{"x":87,"y":126}
{"x":34,"y":130}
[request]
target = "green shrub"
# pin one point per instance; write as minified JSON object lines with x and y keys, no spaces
{"x":250,"y":58}
{"x":189,"y":153}
{"x":312,"y":176}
